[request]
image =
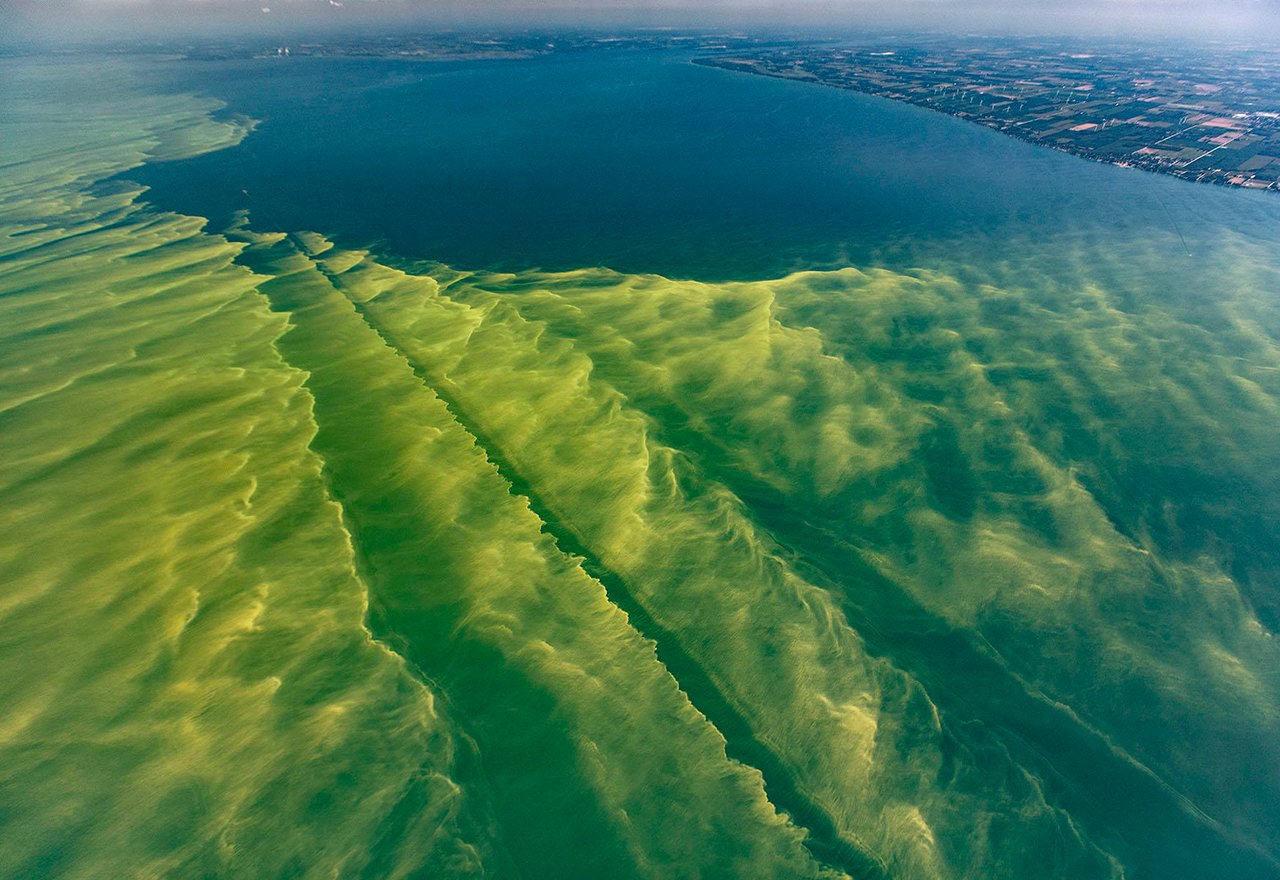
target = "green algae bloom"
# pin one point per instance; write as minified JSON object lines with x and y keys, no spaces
{"x":321,"y":564}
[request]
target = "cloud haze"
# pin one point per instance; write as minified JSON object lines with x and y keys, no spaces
{"x":1259,"y":19}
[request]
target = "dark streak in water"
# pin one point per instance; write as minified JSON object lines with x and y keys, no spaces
{"x":466,"y":671}
{"x":1126,"y":802}
{"x":822,"y":838}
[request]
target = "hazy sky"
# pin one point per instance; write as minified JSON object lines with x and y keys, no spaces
{"x":1259,"y":19}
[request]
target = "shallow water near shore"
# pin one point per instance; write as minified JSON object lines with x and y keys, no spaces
{"x":609,"y":466}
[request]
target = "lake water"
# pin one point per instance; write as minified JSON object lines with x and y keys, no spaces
{"x":645,"y":163}
{"x":607,"y":466}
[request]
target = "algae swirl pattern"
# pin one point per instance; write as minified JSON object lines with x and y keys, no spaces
{"x":321,"y":566}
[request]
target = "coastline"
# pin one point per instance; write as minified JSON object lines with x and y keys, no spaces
{"x":735,"y":65}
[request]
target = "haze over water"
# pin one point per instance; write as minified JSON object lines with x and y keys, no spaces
{"x":605,"y":466}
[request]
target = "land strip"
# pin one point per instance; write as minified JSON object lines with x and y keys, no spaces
{"x":1209,"y":115}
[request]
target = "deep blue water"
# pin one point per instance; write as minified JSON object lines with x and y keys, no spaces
{"x":643,"y":162}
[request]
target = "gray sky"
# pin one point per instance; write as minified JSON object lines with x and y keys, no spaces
{"x":1256,"y":19}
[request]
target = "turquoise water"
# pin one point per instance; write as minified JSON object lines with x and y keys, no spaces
{"x":606,"y":466}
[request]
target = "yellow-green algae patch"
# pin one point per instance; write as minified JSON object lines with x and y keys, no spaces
{"x":187,"y":680}
{"x":602,"y":766}
{"x":199,"y":694}
{"x":860,"y":740}
{"x":707,"y":445}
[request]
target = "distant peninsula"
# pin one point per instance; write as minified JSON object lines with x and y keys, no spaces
{"x":1207,"y":115}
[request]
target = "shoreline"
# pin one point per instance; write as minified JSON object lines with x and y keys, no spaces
{"x":734,"y":65}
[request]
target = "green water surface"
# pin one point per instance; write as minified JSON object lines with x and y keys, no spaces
{"x":841,"y":521}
